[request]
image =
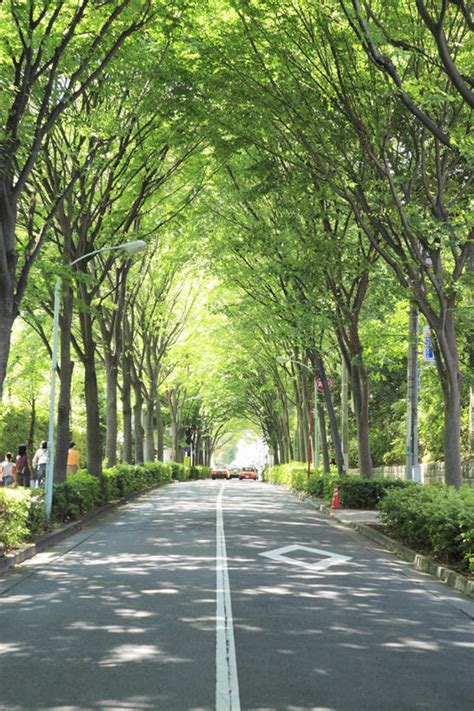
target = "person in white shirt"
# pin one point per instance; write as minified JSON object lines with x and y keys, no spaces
{"x":39,"y":465}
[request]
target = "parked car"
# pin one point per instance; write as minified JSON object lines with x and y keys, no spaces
{"x":248,"y":473}
{"x":219,"y":473}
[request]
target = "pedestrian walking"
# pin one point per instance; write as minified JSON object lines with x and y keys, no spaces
{"x":39,"y":465}
{"x":23,"y":472}
{"x":8,"y":470}
{"x":72,"y":459}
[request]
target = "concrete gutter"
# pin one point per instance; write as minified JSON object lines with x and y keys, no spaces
{"x":10,"y":560}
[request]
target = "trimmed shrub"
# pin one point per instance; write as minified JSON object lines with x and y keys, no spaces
{"x":127,"y":478}
{"x":436,"y":519}
{"x":354,"y":492}
{"x":200,"y":472}
{"x":14,"y":510}
{"x":366,"y":493}
{"x":322,"y":486}
{"x":179,"y":472}
{"x":294,"y":474}
{"x":76,"y":496}
{"x":81,"y":492}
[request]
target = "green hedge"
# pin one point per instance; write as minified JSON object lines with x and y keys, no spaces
{"x":200,"y":472}
{"x":14,"y":509}
{"x":354,"y":492}
{"x":362,"y":493}
{"x":436,"y":519}
{"x":179,"y":472}
{"x":294,"y":474}
{"x":76,"y":496}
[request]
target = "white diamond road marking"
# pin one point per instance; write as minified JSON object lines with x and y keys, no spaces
{"x":328,"y":560}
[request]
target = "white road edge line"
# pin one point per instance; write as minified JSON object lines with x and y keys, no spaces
{"x":227,"y":681}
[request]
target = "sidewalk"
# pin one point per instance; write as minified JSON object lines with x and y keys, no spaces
{"x":355,"y":516}
{"x":344,"y":515}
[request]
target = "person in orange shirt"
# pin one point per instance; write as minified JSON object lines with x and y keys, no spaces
{"x":72,"y":459}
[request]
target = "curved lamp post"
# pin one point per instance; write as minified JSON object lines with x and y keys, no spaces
{"x":284,"y":359}
{"x":127,"y":247}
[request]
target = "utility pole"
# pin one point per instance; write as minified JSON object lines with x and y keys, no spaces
{"x":412,"y":467}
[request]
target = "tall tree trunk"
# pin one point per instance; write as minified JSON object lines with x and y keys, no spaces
{"x":411,"y":461}
{"x":318,"y":366}
{"x":174,"y":438}
{"x":111,"y":367}
{"x":274,"y":448}
{"x":31,"y":434}
{"x":149,"y":454}
{"x":6,"y":324}
{"x":470,"y":343}
{"x":345,"y":413}
{"x":323,"y":438}
{"x":159,"y":431}
{"x":451,"y":383}
{"x":302,"y":414}
{"x":196,"y":449}
{"x":137,"y":422}
{"x":8,"y":262}
{"x":127,"y":408}
{"x":360,"y":392}
{"x":63,"y":430}
{"x":94,"y":435}
{"x":94,"y":438}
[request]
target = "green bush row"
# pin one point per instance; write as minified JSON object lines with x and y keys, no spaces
{"x":354,"y":492}
{"x":435,"y":519}
{"x":21,"y":510}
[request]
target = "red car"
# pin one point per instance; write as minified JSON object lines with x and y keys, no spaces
{"x":219,"y":474}
{"x":248,"y":473}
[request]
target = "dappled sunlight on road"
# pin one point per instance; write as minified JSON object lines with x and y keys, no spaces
{"x":109,"y":604}
{"x":384,"y":624}
{"x":131,"y":612}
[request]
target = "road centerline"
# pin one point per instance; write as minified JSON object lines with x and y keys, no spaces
{"x":227,"y":683}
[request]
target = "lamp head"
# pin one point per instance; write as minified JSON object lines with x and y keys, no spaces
{"x":133,"y":247}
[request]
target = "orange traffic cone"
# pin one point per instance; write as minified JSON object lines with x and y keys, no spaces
{"x":335,"y":504}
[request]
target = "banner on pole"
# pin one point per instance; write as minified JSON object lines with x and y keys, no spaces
{"x":428,"y":355}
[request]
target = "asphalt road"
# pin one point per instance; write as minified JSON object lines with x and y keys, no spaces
{"x":131,"y":614}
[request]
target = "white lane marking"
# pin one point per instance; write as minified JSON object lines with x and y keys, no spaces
{"x":227,"y":681}
{"x":326,"y":561}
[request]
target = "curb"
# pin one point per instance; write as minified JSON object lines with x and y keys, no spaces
{"x":420,"y":562}
{"x":10,"y":560}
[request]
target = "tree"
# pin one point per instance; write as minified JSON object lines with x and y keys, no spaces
{"x":51,"y":55}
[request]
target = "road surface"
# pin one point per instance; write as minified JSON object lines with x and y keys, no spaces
{"x":211,"y":595}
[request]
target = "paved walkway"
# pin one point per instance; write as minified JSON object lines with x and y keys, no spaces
{"x":356,"y":516}
{"x":345,"y":515}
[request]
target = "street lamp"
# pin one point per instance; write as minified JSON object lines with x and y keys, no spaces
{"x":127,"y":247}
{"x":284,"y":359}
